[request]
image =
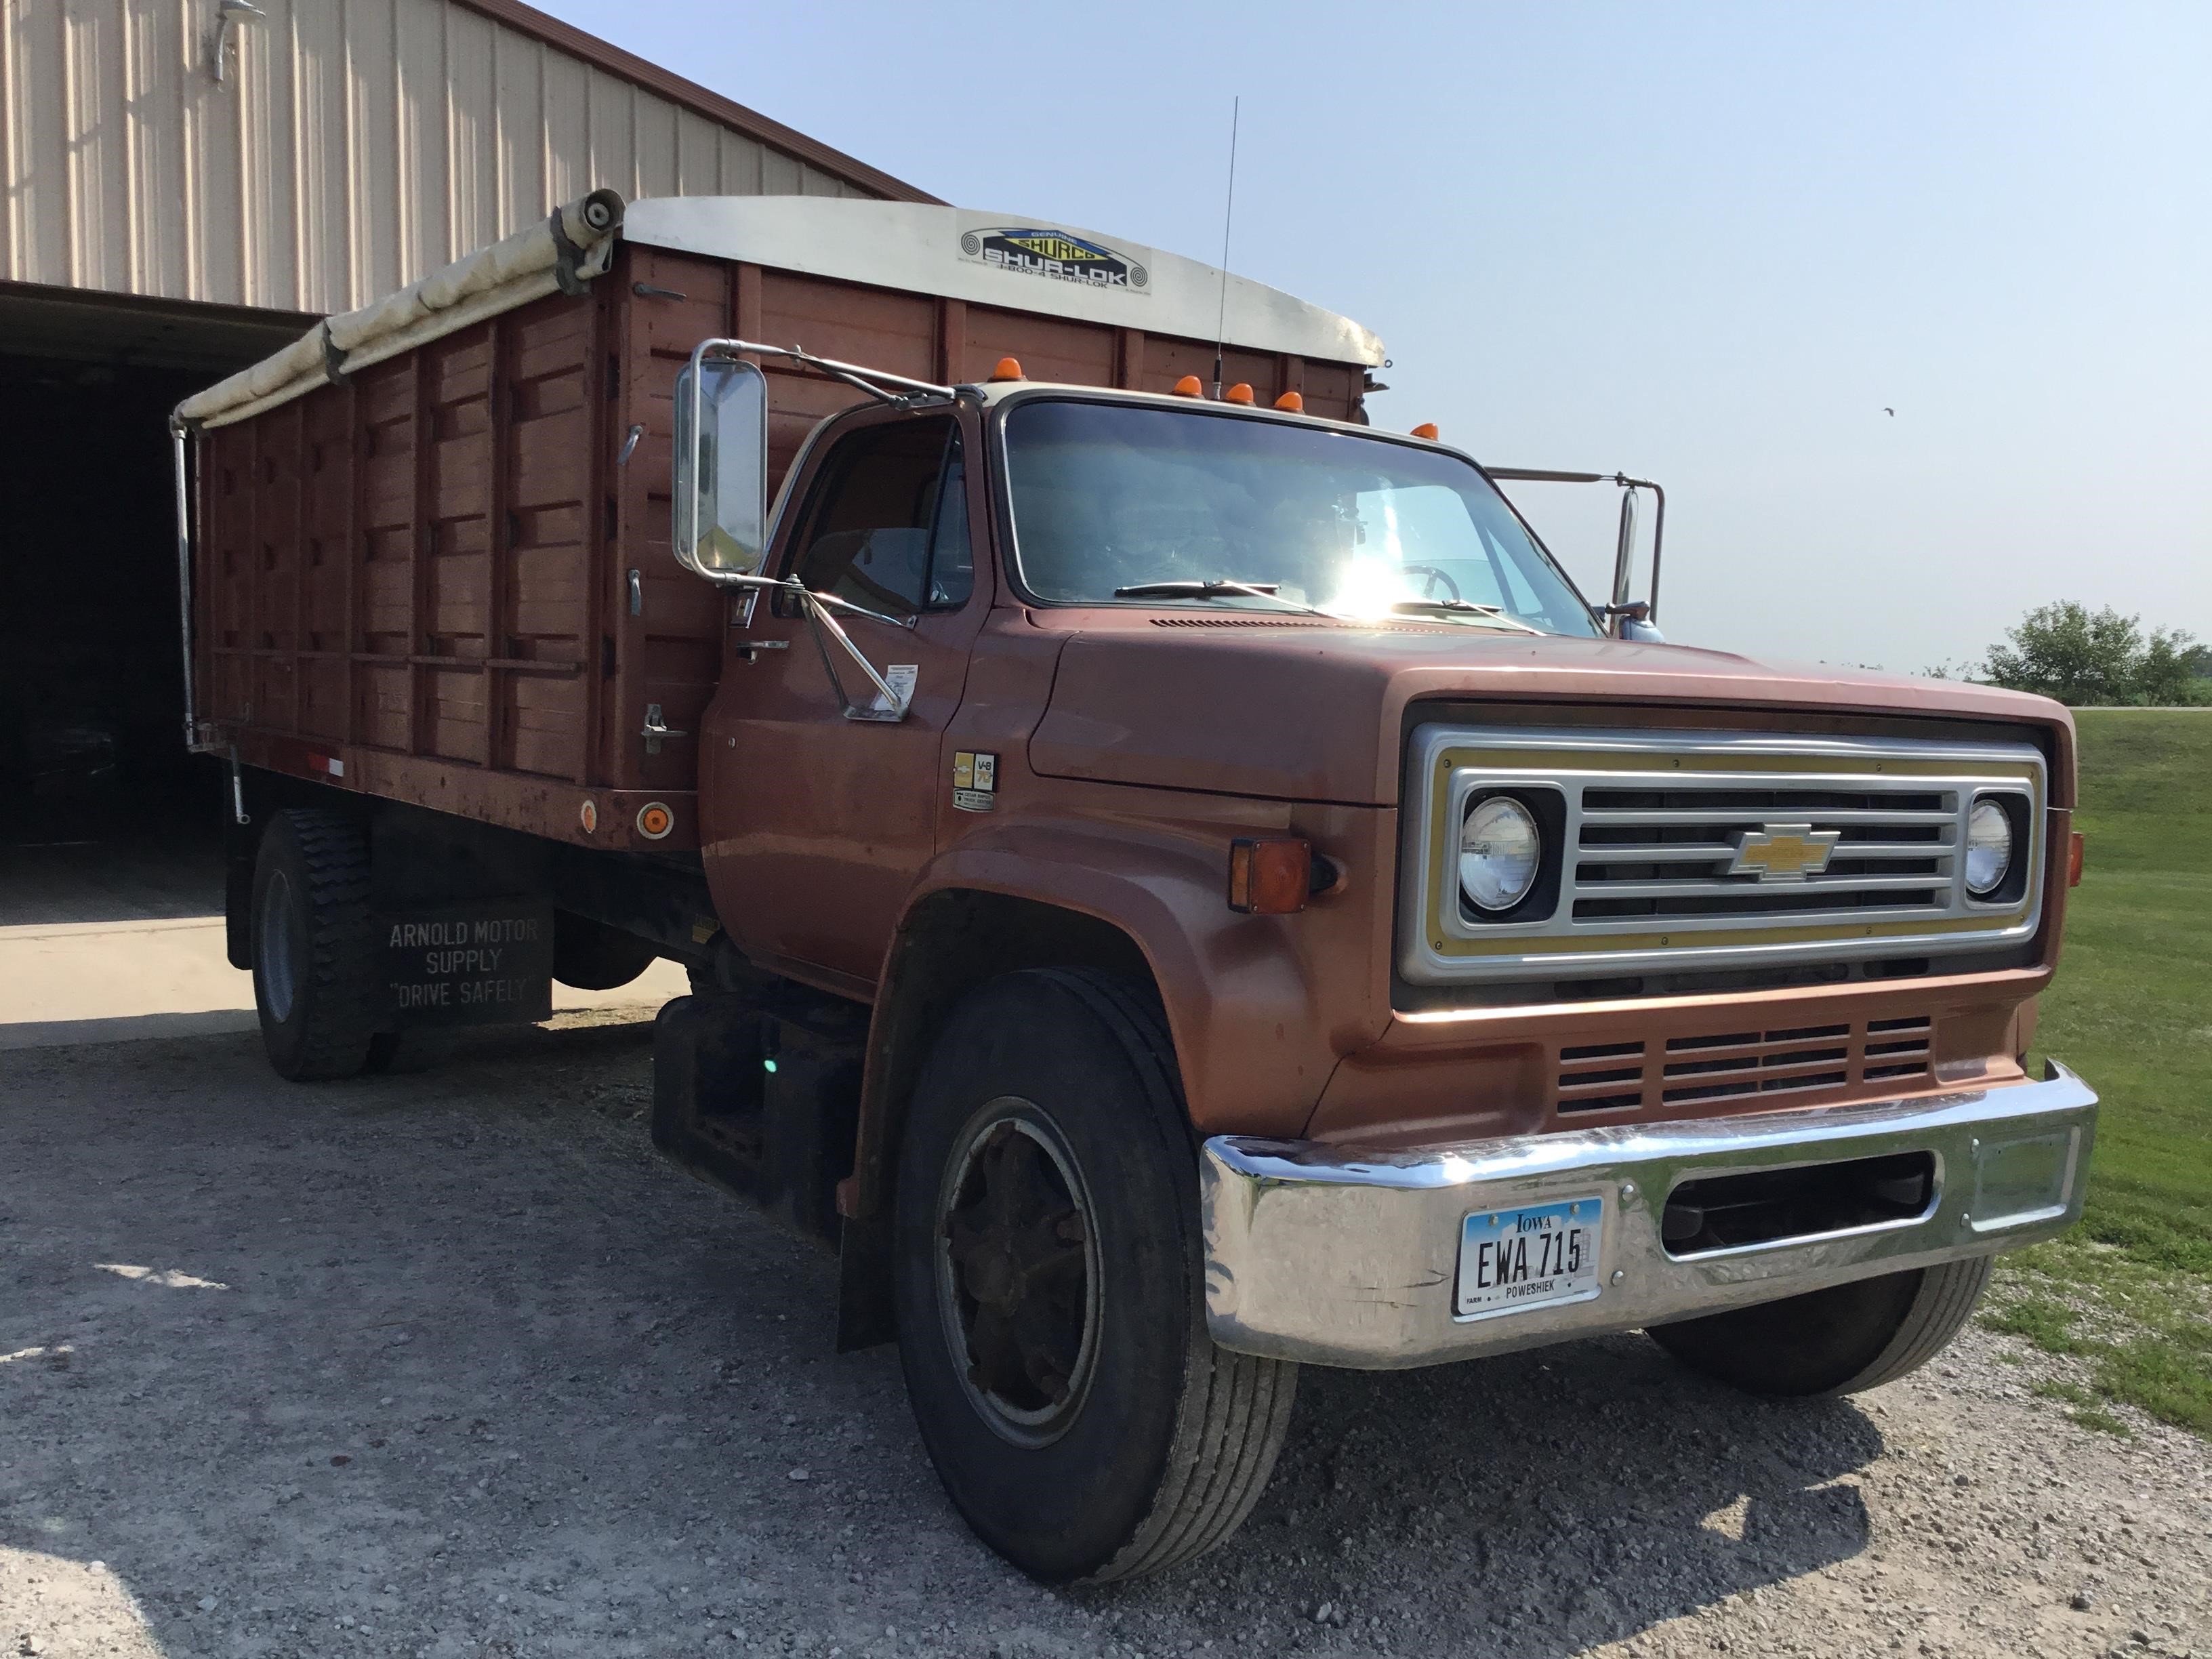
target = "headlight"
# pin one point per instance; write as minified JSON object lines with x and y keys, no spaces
{"x":1989,"y":848}
{"x":1498,"y":851}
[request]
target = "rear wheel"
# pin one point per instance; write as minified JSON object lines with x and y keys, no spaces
{"x":1838,"y":1340}
{"x":1049,"y":1280}
{"x":314,"y":946}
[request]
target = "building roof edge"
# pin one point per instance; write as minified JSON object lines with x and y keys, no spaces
{"x":566,"y":37}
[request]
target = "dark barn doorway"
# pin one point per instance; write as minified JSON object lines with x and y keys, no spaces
{"x":109,"y":818}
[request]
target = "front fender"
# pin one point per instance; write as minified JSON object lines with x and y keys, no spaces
{"x":1261,"y":1008}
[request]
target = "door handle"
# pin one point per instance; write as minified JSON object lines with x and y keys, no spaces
{"x":655,"y":729}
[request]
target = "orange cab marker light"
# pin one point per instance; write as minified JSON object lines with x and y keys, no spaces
{"x":1426,"y":430}
{"x":654,"y":820}
{"x":1008,"y":368}
{"x":1269,"y":877}
{"x":2077,"y":850}
{"x":1189,"y":386}
{"x":1291,"y":404}
{"x":1239,"y":393}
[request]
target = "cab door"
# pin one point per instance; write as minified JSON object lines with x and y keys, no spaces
{"x":819,"y":822}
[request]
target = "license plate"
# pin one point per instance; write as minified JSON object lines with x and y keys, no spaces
{"x":1535,"y":1256}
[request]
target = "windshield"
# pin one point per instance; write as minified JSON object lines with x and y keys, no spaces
{"x":1115,"y":496}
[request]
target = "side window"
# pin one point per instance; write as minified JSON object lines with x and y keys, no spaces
{"x":888,"y":527}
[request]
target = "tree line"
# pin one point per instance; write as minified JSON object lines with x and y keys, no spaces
{"x":2081,"y":657}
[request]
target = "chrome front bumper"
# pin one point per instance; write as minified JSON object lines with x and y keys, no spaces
{"x":1337,"y":1256}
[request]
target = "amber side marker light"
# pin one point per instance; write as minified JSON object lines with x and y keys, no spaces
{"x":1189,"y":386}
{"x":1269,"y":877}
{"x":1291,"y":404}
{"x":1008,"y":368}
{"x":2077,"y":848}
{"x":1426,"y":430}
{"x":1239,"y":393}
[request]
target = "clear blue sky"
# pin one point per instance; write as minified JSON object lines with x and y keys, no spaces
{"x":1703,"y":243}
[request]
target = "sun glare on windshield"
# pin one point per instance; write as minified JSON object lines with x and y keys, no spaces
{"x":1110,"y":497}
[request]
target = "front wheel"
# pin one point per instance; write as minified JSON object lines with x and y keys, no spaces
{"x":1839,"y":1341}
{"x":1051,"y":1305}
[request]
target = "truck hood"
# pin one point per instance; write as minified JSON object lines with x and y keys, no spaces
{"x":1314,"y":711}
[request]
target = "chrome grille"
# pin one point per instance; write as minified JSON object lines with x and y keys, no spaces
{"x":1709,"y":850}
{"x":1665,"y":855}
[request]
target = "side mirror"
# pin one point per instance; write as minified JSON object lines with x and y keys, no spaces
{"x":721,"y":467}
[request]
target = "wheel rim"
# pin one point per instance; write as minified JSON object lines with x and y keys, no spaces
{"x":1017,"y":1272}
{"x":272,"y":953}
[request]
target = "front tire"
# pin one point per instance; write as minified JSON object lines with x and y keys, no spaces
{"x":314,"y":946}
{"x":1839,"y":1341}
{"x":1049,"y":1290}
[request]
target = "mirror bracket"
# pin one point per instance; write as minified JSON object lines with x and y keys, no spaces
{"x":826,"y":630}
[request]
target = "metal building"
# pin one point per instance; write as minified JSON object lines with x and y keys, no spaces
{"x":188,"y":183}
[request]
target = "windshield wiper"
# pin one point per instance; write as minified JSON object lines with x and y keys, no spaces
{"x":1475,"y":613}
{"x":1218,"y":589}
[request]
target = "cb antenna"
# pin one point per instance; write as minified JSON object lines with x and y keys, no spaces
{"x":1228,"y":216}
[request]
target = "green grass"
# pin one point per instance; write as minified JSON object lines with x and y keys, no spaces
{"x":2128,"y":1293}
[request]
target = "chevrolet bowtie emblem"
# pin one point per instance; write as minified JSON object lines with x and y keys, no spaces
{"x":1783,"y":852}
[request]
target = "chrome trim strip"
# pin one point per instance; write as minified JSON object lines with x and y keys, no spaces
{"x":1339,"y":1256}
{"x":1430,"y":924}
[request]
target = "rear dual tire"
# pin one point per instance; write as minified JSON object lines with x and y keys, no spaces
{"x":314,"y":947}
{"x":1049,"y":1290}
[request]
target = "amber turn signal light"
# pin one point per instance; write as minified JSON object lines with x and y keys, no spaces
{"x":2077,"y":848}
{"x":1426,"y":430}
{"x":1189,"y":386}
{"x":1239,"y":393}
{"x":1270,"y":877}
{"x":1291,"y":404}
{"x":1008,"y":368}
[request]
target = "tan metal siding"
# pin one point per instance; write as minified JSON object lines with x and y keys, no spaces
{"x":355,"y":146}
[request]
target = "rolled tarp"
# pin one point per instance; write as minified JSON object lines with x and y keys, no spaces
{"x":575,"y":241}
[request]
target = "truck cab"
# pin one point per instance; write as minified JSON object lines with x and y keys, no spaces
{"x":1179,"y":885}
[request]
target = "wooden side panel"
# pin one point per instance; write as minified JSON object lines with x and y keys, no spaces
{"x":384,"y":549}
{"x":549,"y":437}
{"x":667,"y":627}
{"x":1050,"y":348}
{"x":226,"y":574}
{"x":273,"y":630}
{"x":325,"y":649}
{"x":424,"y":573}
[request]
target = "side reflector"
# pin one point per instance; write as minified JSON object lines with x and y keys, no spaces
{"x":1008,"y":368}
{"x":1239,"y":393}
{"x":1269,"y":877}
{"x":1426,"y":430}
{"x":2077,"y":849}
{"x":1189,"y":386}
{"x":1291,"y":402}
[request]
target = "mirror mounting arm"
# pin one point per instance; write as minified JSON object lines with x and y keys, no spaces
{"x":690,"y":481}
{"x":824,"y":627}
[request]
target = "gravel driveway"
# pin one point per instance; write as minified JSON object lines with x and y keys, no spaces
{"x":453,"y":1363}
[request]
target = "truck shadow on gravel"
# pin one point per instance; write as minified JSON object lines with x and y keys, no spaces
{"x":1537,"y":1503}
{"x":453,"y":1363}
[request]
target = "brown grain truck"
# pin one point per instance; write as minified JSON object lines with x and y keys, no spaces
{"x":1176,"y":883}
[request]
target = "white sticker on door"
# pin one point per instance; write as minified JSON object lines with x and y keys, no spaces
{"x":900,"y":677}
